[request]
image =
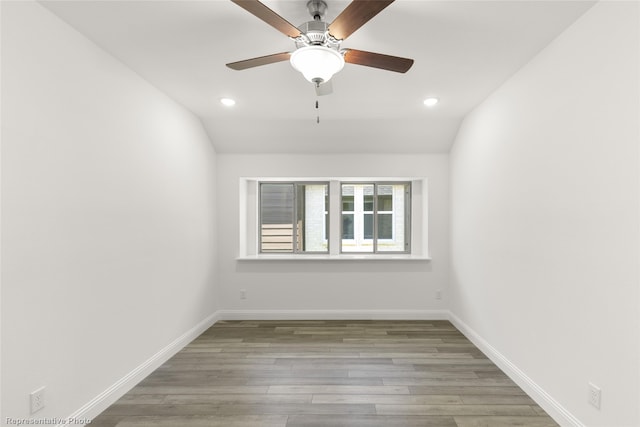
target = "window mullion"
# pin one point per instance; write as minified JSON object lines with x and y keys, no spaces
{"x":294,"y":222}
{"x":335,"y":217}
{"x":375,"y":218}
{"x":407,"y":217}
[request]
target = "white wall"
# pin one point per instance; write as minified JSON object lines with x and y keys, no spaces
{"x":544,"y":196}
{"x":108,"y":216}
{"x":404,"y":287}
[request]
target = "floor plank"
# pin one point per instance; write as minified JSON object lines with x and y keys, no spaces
{"x":327,"y":373}
{"x":504,"y":421}
{"x":369,"y":421}
{"x":205,"y":421}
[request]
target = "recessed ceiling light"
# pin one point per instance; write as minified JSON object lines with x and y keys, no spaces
{"x":430,"y":102}
{"x":227,"y":102}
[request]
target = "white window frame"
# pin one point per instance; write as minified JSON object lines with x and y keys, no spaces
{"x":249,"y":214}
{"x":294,"y":213}
{"x":359,"y":213}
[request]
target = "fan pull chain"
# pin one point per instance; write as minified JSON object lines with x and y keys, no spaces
{"x":318,"y":114}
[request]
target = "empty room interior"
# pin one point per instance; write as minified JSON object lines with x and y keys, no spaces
{"x":324,"y":213}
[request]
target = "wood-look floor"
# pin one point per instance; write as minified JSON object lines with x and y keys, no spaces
{"x":327,"y":374}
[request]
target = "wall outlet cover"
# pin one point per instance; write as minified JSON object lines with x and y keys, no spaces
{"x":36,"y":399}
{"x":595,"y":395}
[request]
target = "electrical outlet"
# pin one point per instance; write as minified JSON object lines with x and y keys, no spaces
{"x":37,"y":400}
{"x":438,"y":294}
{"x":595,"y":395}
{"x":243,"y":294}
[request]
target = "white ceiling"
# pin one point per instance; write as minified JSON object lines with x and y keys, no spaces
{"x":463,"y":51}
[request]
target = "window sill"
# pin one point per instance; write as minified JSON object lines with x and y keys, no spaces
{"x":341,"y":257}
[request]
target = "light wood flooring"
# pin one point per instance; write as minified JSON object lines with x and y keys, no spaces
{"x":327,"y":374}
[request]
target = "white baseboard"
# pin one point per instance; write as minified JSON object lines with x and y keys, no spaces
{"x":105,"y":399}
{"x":333,"y":314}
{"x":560,"y":414}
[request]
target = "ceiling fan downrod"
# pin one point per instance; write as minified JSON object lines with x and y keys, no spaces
{"x":317,"y":9}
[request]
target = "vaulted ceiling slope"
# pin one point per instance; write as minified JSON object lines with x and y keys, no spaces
{"x":463,"y":51}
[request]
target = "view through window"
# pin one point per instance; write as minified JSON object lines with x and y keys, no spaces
{"x":294,"y":217}
{"x":375,"y":217}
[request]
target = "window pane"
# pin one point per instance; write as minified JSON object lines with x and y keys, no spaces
{"x":276,"y":216}
{"x":368,"y":203}
{"x":326,"y":216}
{"x":347,"y":203}
{"x":312,"y":217}
{"x":368,"y":226}
{"x":392,"y":217}
{"x":358,"y":204}
{"x":385,"y":226}
{"x":294,"y":217}
{"x":385,"y":203}
{"x":347,"y":226}
{"x":299,"y":229}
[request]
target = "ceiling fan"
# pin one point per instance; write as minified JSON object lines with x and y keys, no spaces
{"x":319,"y":55}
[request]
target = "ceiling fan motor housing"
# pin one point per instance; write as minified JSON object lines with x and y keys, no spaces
{"x":316,"y":33}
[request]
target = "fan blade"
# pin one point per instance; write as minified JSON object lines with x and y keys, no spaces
{"x":358,"y":13}
{"x":325,"y":88}
{"x":269,"y":16}
{"x":378,"y":60}
{"x":261,"y":60}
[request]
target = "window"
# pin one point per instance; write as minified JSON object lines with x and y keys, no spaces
{"x":376,"y":217}
{"x":294,"y":217}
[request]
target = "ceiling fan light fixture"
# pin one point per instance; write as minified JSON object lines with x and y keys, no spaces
{"x":317,"y":63}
